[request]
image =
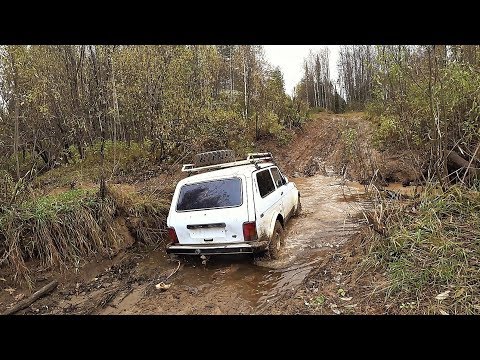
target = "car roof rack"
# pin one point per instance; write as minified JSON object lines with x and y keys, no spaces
{"x":252,"y":158}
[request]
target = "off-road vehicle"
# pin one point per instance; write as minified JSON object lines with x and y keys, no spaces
{"x":228,"y":207}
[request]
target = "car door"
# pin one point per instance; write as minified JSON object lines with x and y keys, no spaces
{"x":211,"y":211}
{"x":289,"y":192}
{"x":281,"y":189}
{"x":268,"y":201}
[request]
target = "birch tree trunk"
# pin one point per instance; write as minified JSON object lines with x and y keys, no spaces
{"x":245,"y":84}
{"x":116,"y":111}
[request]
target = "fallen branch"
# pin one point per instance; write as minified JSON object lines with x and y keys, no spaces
{"x":108,"y":297}
{"x":37,"y":295}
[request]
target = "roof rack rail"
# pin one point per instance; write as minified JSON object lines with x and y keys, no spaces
{"x":252,"y":158}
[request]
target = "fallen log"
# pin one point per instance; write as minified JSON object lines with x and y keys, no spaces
{"x":35,"y":296}
{"x":461,"y":163}
{"x":456,"y":159}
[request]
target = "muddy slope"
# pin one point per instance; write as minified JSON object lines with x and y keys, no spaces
{"x":344,"y":143}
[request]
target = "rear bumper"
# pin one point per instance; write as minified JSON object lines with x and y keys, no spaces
{"x":217,"y":249}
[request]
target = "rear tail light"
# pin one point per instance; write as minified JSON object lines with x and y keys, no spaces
{"x":173,"y":235}
{"x":249,"y":231}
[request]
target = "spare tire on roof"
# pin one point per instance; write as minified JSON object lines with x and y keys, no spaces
{"x":214,"y":157}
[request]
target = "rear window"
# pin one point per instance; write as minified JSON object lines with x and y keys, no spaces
{"x":265,"y":183}
{"x":210,"y":195}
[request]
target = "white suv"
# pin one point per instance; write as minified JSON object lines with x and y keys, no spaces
{"x":234,"y":207}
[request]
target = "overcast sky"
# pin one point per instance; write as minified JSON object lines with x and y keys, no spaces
{"x":290,"y":60}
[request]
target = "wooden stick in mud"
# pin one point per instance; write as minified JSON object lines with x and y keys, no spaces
{"x":37,"y":295}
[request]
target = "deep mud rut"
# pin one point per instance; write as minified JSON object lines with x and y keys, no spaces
{"x":332,"y":213}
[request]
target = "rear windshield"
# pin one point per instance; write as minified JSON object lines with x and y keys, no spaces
{"x":210,"y":195}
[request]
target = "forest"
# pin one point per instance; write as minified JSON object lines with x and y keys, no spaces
{"x":423,"y":99}
{"x":58,"y":101}
{"x":94,"y":120}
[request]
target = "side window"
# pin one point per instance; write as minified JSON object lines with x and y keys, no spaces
{"x":284,"y":179}
{"x":265,"y":183}
{"x":276,"y":177}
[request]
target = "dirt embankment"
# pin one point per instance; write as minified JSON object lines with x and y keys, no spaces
{"x":344,"y":143}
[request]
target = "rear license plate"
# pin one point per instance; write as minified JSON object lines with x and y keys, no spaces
{"x":207,"y":233}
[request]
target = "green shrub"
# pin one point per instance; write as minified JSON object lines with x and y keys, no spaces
{"x":387,"y":132}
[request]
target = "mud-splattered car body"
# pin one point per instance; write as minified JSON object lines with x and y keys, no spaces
{"x":230,"y":210}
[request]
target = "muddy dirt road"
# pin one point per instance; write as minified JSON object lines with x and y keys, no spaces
{"x":332,"y":212}
{"x":332,"y":215}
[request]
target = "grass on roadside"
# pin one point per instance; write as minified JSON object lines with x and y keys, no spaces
{"x":430,"y":250}
{"x":56,"y":229}
{"x":62,"y":229}
{"x":145,"y":214}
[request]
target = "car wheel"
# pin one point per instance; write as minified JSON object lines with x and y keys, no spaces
{"x":276,"y":242}
{"x":298,"y":210}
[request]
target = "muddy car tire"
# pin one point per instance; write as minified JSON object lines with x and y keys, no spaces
{"x":214,"y":157}
{"x":298,"y":210}
{"x":275,"y":245}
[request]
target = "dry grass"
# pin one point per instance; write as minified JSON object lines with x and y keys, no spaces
{"x":62,"y":229}
{"x":146,"y":215}
{"x":58,"y":230}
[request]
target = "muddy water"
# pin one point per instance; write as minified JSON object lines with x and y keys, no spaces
{"x":331,"y":212}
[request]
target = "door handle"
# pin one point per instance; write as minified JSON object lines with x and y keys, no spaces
{"x":261,"y":215}
{"x":281,"y":193}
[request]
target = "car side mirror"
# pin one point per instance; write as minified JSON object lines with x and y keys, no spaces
{"x":285,"y":180}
